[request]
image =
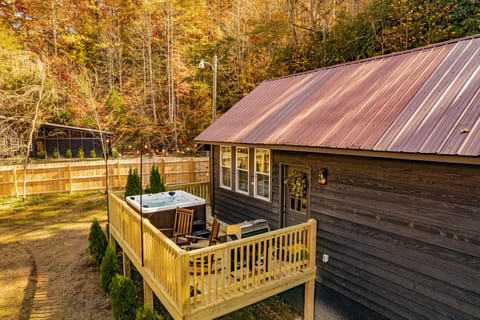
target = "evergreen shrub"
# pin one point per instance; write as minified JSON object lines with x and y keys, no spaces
{"x":146,"y":313}
{"x":123,"y":298}
{"x":133,"y":183}
{"x":80,"y":153}
{"x":97,"y":242}
{"x":68,"y":153}
{"x":156,"y":183}
{"x":109,"y":268}
{"x":93,"y":153}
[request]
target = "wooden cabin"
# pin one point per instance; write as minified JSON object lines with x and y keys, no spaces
{"x":384,"y":154}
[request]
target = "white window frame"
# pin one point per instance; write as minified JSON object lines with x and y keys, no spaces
{"x":257,"y":173}
{"x":229,"y":187}
{"x":238,"y":170}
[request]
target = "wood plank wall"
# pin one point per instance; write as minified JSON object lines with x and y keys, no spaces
{"x":403,"y":237}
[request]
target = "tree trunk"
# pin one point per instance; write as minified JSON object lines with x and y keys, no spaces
{"x":33,"y":125}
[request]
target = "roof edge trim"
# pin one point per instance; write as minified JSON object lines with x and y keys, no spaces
{"x":457,"y":159}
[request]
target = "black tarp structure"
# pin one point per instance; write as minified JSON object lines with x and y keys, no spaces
{"x":54,"y":137}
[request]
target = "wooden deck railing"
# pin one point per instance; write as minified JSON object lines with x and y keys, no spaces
{"x":213,"y":281}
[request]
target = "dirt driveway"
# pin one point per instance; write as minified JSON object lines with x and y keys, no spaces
{"x":45,"y":270}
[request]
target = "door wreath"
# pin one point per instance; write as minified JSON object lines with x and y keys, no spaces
{"x":296,"y":183}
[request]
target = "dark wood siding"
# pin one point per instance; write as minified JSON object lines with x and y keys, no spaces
{"x":403,"y":237}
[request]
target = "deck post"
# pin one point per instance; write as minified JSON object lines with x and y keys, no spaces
{"x":147,"y":294}
{"x":126,"y":265}
{"x":309,"y":302}
{"x":112,"y":239}
{"x":183,"y":281}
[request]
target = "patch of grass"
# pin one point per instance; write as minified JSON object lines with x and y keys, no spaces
{"x":50,"y":209}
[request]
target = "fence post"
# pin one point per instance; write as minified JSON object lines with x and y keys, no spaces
{"x":118,"y":174}
{"x":69,"y":179}
{"x":15,"y":183}
{"x":162,"y":171}
{"x":191,"y":170}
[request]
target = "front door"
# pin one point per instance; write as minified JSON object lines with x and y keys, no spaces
{"x":296,"y":183}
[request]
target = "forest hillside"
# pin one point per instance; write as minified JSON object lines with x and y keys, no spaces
{"x":132,"y":66}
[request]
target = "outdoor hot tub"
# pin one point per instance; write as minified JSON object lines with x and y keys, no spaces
{"x":160,"y":208}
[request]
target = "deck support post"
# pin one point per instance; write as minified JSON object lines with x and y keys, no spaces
{"x":309,"y":298}
{"x":147,"y":294}
{"x":126,"y":265}
{"x":309,"y":303}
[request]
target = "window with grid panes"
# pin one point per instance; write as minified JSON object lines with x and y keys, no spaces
{"x":262,"y":173}
{"x":226,"y":167}
{"x":242,"y":169}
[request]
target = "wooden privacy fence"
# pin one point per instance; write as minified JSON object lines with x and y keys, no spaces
{"x":57,"y":177}
{"x":210,"y":282}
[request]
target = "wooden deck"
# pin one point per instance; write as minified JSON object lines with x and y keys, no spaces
{"x":210,"y":282}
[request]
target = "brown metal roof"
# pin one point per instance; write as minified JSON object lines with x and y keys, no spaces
{"x":419,"y":101}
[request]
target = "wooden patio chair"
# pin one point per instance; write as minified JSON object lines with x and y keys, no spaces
{"x":212,"y":239}
{"x":183,"y":226}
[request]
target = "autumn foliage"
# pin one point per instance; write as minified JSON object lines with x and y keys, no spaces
{"x":131,"y":67}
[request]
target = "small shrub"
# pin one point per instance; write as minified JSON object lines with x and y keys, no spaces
{"x":123,"y":298}
{"x":156,"y":183}
{"x":41,"y":154}
{"x":146,"y":313}
{"x":80,"y":153}
{"x":55,"y":153}
{"x":93,"y":153}
{"x":109,"y":268}
{"x":97,"y":242}
{"x":68,"y":153}
{"x":296,"y":252}
{"x":115,"y":154}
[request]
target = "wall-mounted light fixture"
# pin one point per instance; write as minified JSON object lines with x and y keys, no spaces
{"x":322,"y":176}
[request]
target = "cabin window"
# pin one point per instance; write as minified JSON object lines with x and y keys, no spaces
{"x":242,"y":170}
{"x":225,"y":167}
{"x":262,"y":173}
